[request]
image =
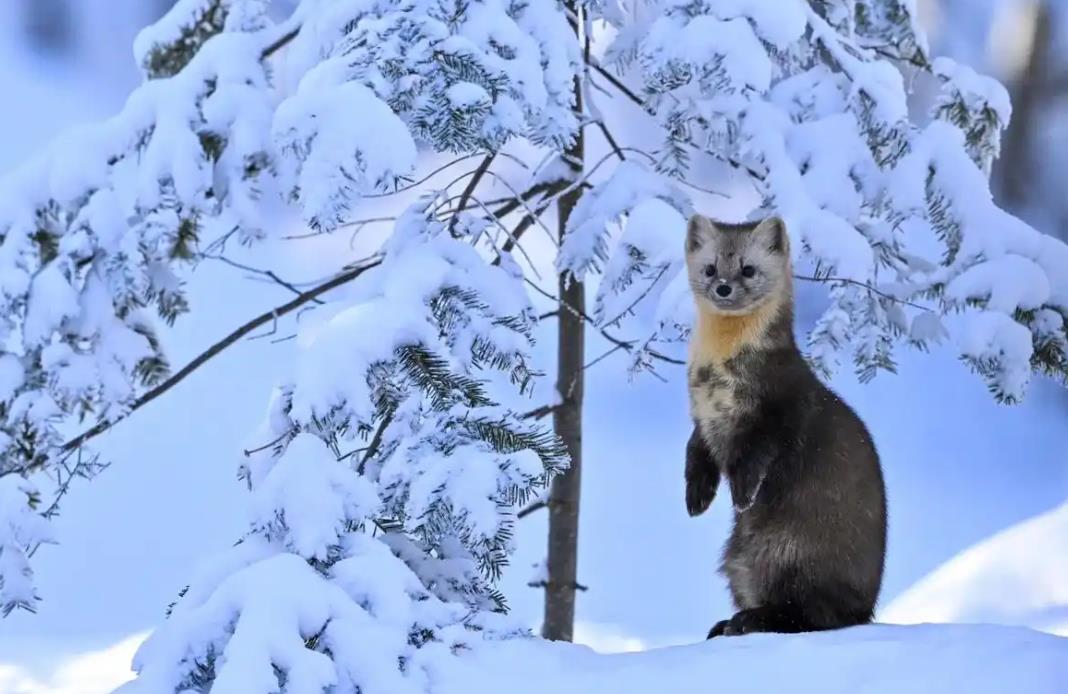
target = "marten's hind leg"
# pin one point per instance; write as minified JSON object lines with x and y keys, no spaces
{"x":811,"y":610}
{"x":768,"y":618}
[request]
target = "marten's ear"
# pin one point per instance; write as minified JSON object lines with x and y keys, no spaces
{"x":698,"y":230}
{"x":772,"y":233}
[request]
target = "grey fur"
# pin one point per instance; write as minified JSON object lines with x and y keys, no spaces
{"x":807,"y":548}
{"x":728,"y":248}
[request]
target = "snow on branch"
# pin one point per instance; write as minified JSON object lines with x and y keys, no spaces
{"x":382,"y":512}
{"x":93,"y":230}
{"x":93,"y":233}
{"x":588,"y":241}
{"x":22,"y":530}
{"x":410,"y":445}
{"x":810,"y":99}
{"x":164,"y":48}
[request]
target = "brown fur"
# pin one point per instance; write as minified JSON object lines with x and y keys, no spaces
{"x":718,"y":337}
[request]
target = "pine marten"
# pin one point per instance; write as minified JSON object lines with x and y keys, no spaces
{"x":807,"y":549}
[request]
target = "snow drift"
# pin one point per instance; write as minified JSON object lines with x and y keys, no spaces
{"x":870,"y":659}
{"x":1018,"y":577}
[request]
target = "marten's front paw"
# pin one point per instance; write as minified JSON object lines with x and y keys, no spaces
{"x":702,"y":475}
{"x":745,"y":481}
{"x":700,"y":491}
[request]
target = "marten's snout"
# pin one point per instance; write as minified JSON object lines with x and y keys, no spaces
{"x":723,"y":290}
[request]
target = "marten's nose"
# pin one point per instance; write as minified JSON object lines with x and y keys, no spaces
{"x":724,"y":290}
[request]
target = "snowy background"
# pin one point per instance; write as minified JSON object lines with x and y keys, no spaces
{"x":978,"y":521}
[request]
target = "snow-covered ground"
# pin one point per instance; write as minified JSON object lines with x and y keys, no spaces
{"x":977,"y":659}
{"x":959,"y":470}
{"x":91,"y":672}
{"x":873,"y":660}
{"x":1018,"y":576}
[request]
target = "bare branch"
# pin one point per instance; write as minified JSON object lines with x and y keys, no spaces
{"x":641,"y":296}
{"x":279,"y":43}
{"x":83,"y":467}
{"x":465,"y":196}
{"x":623,"y":344}
{"x":376,"y":440}
{"x":865,"y":285}
{"x":527,"y":221}
{"x":510,"y":238}
{"x":540,"y":412}
{"x":269,"y":274}
{"x":531,"y":508}
{"x":611,"y":140}
{"x":530,"y":213}
{"x":249,"y":451}
{"x":354,"y":223}
{"x":601,"y":358}
{"x":424,"y":179}
{"x":548,"y":584}
{"x":512,"y":204}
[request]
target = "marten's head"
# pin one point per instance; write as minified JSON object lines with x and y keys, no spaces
{"x":736,"y":268}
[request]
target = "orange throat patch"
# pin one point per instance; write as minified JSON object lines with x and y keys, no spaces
{"x":718,"y":337}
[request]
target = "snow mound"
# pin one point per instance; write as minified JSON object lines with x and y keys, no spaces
{"x":1018,"y":577}
{"x":870,"y":659}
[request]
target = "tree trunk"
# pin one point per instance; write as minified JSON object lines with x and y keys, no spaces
{"x":49,"y":25}
{"x":1028,"y":93}
{"x":562,"y":563}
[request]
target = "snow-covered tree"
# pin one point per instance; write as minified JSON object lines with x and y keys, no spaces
{"x":384,"y":478}
{"x":1035,"y":70}
{"x":383,"y":483}
{"x":809,"y":101}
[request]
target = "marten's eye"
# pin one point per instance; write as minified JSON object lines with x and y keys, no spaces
{"x":710,"y":270}
{"x":748,"y":271}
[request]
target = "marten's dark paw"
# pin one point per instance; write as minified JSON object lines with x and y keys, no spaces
{"x":756,"y":620}
{"x":718,"y":630}
{"x":746,"y":622}
{"x":745,"y":481}
{"x":699,"y":494}
{"x":702,"y":475}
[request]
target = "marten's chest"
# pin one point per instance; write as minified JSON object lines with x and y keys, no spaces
{"x":721,"y":397}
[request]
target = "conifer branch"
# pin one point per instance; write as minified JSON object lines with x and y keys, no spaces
{"x":348,"y":275}
{"x":629,"y":93}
